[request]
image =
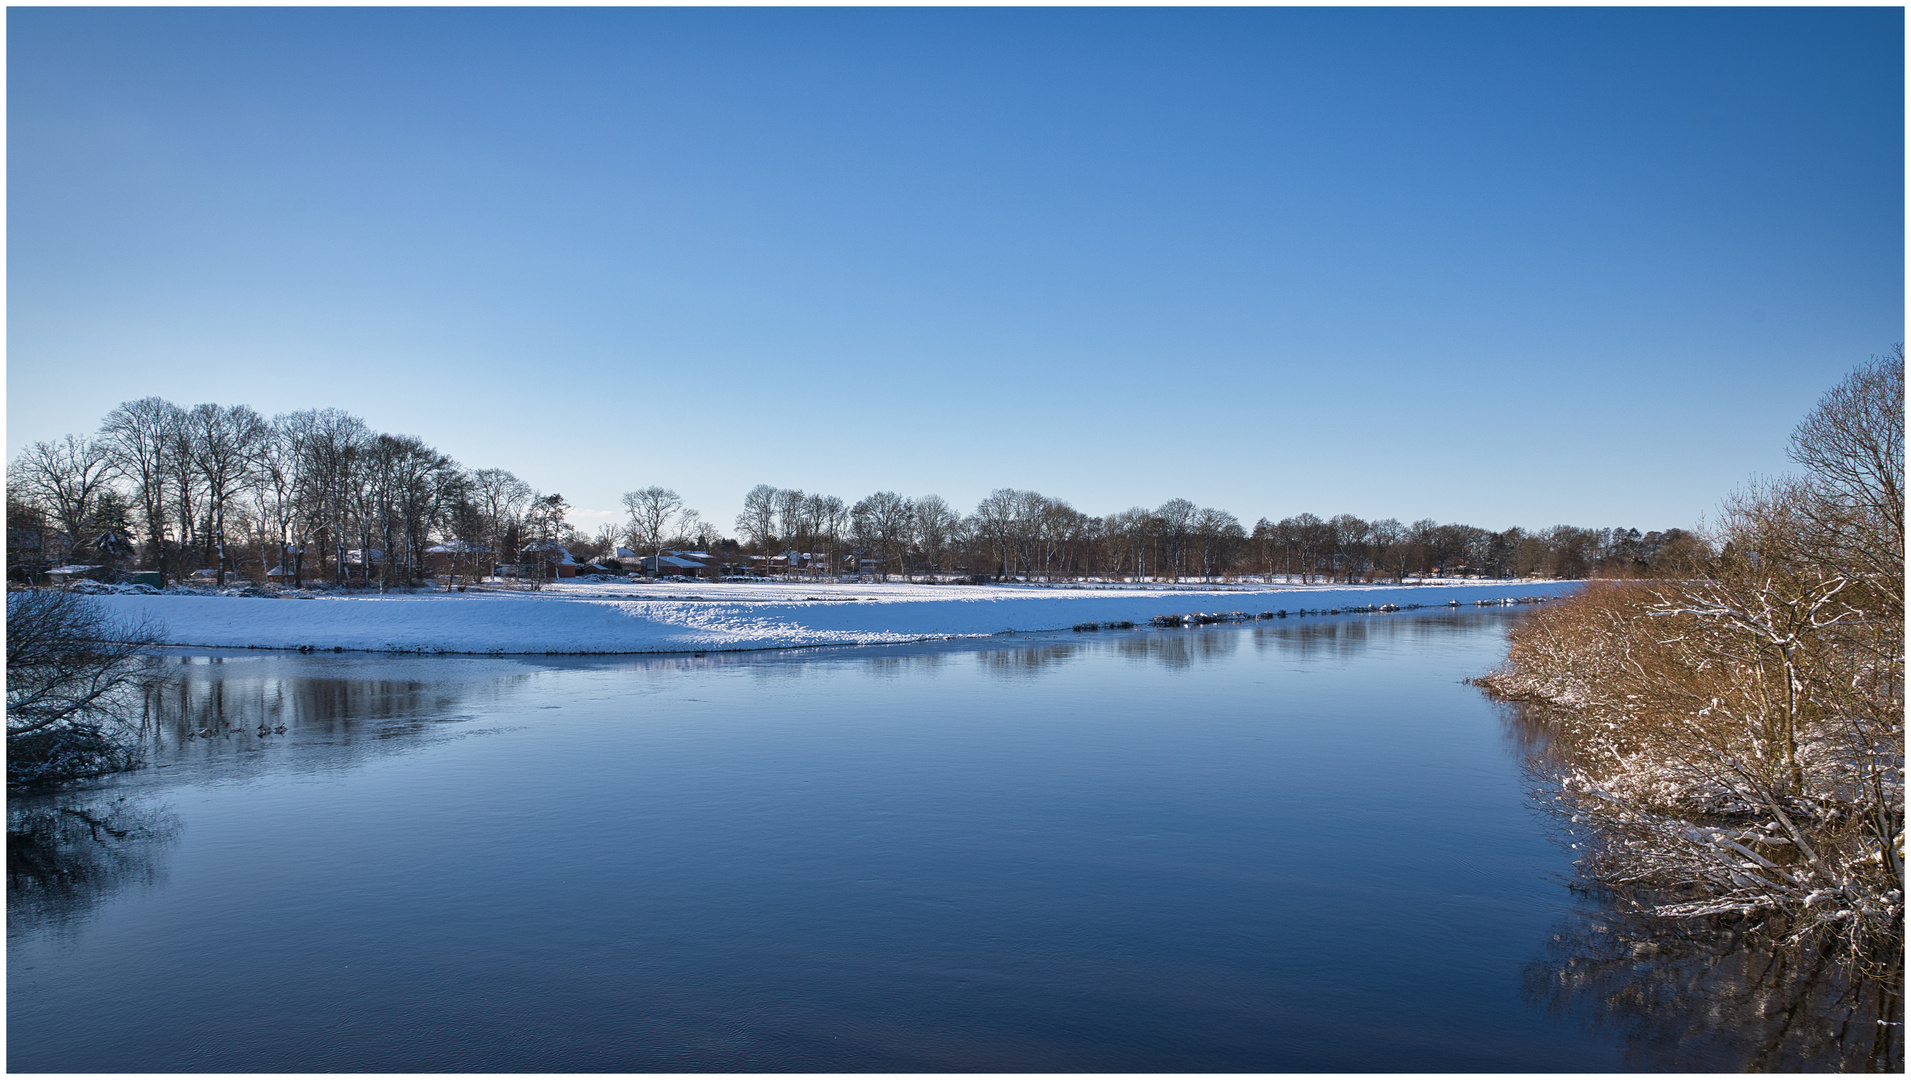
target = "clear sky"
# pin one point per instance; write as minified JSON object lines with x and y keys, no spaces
{"x":1494,"y":266}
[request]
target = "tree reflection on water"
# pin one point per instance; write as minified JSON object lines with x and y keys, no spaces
{"x":67,"y":854}
{"x":1696,"y":998}
{"x":1704,"y":996}
{"x":1720,"y":997}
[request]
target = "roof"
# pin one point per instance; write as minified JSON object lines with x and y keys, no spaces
{"x":457,"y":547}
{"x":560,"y":554}
{"x":673,"y":561}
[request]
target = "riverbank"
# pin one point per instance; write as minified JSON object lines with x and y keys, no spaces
{"x":606,"y":618}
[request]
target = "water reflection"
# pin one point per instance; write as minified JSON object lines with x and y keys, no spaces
{"x":1719,"y":998}
{"x":68,"y":854}
{"x":992,"y":889}
{"x":212,"y":708}
{"x":1703,"y":997}
{"x":1027,"y":660}
{"x":1023,"y":655}
{"x":1346,"y":637}
{"x":209,"y":713}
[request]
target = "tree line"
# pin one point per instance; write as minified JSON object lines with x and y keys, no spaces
{"x":1032,"y":536}
{"x":318,"y":495}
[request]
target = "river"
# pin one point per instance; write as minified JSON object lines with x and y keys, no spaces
{"x":1300,"y":845}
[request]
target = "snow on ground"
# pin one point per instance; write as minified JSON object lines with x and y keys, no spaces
{"x":632,"y":617}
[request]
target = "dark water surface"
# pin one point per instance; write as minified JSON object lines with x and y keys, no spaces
{"x":1294,"y":846}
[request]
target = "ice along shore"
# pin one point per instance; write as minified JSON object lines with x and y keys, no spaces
{"x":616,"y":618}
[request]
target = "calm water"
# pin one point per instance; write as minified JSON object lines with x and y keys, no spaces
{"x":1296,"y":846}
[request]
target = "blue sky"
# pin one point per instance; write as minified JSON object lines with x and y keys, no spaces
{"x":1494,"y":266}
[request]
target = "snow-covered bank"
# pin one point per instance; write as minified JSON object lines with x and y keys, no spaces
{"x":620,"y":618}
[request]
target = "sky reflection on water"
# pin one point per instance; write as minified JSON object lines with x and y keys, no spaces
{"x":1289,"y":846}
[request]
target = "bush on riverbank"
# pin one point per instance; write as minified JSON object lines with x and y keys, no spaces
{"x":73,"y":674}
{"x":1733,"y":744}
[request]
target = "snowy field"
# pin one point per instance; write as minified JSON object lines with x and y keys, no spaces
{"x":629,"y":617}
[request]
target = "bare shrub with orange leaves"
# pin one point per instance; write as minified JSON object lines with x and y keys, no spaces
{"x":1733,"y":743}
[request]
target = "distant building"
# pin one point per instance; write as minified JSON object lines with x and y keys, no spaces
{"x":363,"y":556}
{"x":453,"y":556}
{"x":679,"y":565}
{"x":553,"y":556}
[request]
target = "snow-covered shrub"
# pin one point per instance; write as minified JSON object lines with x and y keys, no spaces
{"x":100,"y":588}
{"x":1733,"y":744}
{"x":73,"y":673}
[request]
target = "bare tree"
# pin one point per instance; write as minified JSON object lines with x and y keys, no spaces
{"x":884,"y":521}
{"x":334,"y":476}
{"x":1347,"y":541}
{"x":757,"y":524}
{"x":832,"y":517}
{"x":66,"y":477}
{"x":938,"y":528}
{"x":652,"y":510}
{"x":1852,"y":447}
{"x":700,"y":534}
{"x":995,"y":525}
{"x":408,"y":485}
{"x":223,"y":442}
{"x":792,"y":520}
{"x":281,"y":460}
{"x":1391,"y":551}
{"x":1218,"y":535}
{"x":543,"y":527}
{"x":137,"y":435}
{"x":1177,"y":520}
{"x":499,"y":499}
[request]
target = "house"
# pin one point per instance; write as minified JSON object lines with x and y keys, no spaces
{"x":707,"y":565}
{"x":676,"y":566}
{"x":454,"y":555}
{"x":555,"y":560}
{"x":866,"y":566}
{"x":361,"y":556}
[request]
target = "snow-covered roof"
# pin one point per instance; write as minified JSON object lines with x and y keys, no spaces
{"x":549,"y":547}
{"x":72,"y":569}
{"x":672,"y":561}
{"x":623,"y":553}
{"x":456,"y":547}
